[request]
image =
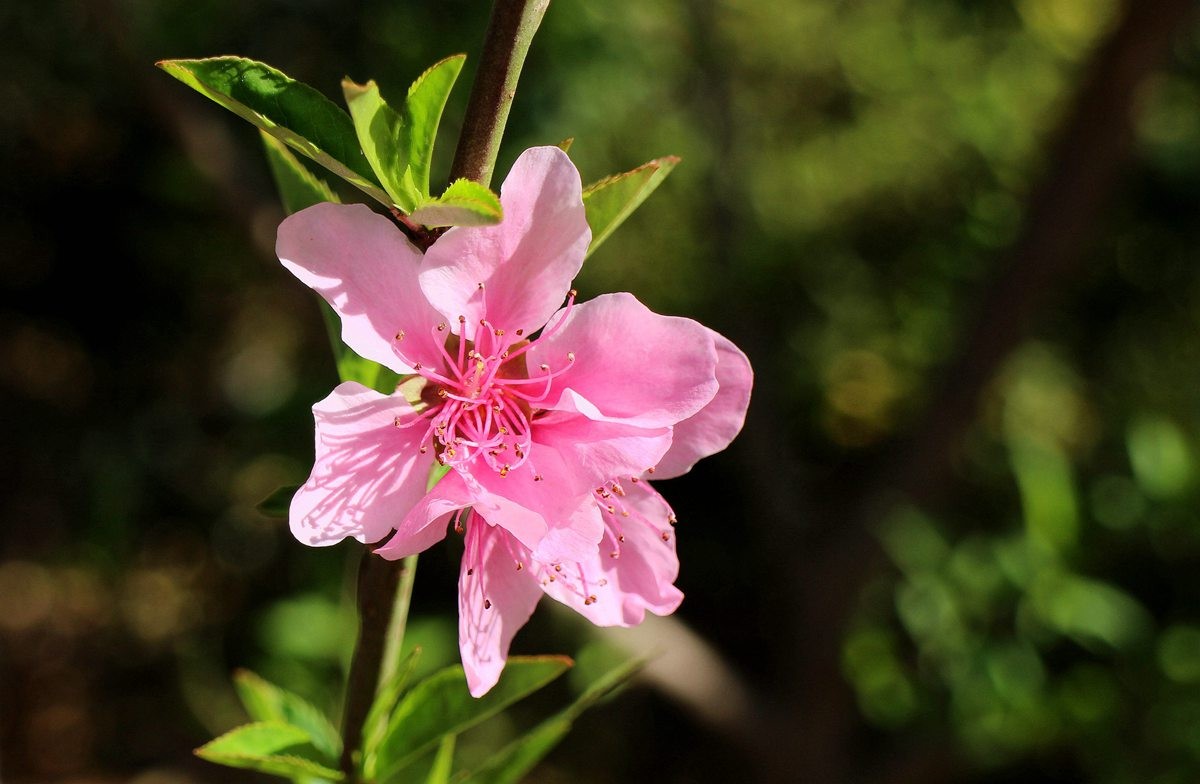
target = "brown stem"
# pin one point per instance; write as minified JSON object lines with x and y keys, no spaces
{"x":505,"y":45}
{"x":378,"y":580}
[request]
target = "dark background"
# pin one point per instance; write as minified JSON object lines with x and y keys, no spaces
{"x":959,"y":538}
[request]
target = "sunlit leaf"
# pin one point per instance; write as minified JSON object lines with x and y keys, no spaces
{"x":511,"y":763}
{"x":383,"y":136}
{"x":441,"y":705}
{"x":287,"y":109}
{"x":270,"y":747}
{"x":464,"y":203}
{"x":423,"y":114}
{"x":298,"y":187}
{"x":265,"y":701}
{"x":399,"y":142}
{"x":278,"y":502}
{"x":611,"y":200}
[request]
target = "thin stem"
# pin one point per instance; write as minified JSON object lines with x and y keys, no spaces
{"x":505,"y":45}
{"x":381,"y":627}
{"x":399,"y":621}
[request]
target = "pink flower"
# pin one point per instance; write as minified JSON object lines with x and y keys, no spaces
{"x":540,"y":429}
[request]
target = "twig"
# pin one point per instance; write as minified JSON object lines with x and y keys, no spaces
{"x":505,"y":45}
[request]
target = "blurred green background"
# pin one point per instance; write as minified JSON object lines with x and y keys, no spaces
{"x":959,"y":538}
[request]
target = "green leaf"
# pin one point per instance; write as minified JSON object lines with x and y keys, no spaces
{"x":298,"y":187}
{"x":464,"y":203}
{"x":399,"y":144}
{"x":265,"y":701}
{"x":271,"y":747}
{"x":278,"y":502}
{"x":384,"y":140}
{"x":423,"y":113}
{"x":352,"y":367}
{"x":441,"y":705}
{"x":443,"y":762}
{"x":611,"y":200}
{"x":510,"y":764}
{"x":289,"y":110}
{"x":376,"y":724}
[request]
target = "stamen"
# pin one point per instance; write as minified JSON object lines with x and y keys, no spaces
{"x":400,"y":335}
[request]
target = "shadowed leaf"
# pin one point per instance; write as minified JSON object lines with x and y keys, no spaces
{"x":265,"y":701}
{"x":276,"y":505}
{"x":270,"y":747}
{"x":514,"y":761}
{"x":611,"y":200}
{"x":441,"y":705}
{"x":298,"y":187}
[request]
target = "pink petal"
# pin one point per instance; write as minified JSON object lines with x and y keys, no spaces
{"x":714,"y":426}
{"x":368,"y":473}
{"x":573,"y":455}
{"x":514,"y":274}
{"x":426,"y":523}
{"x":366,"y":269}
{"x":495,"y":599}
{"x":617,"y":591}
{"x":630,"y":363}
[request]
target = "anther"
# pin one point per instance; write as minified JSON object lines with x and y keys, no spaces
{"x":400,"y":335}
{"x":570,"y":356}
{"x":498,"y":332}
{"x":442,"y":327}
{"x":603,"y":582}
{"x":443,"y":393}
{"x":520,"y":566}
{"x":462,"y":319}
{"x":666,"y":536}
{"x":543,"y":366}
{"x":624,"y":513}
{"x":520,"y":332}
{"x":650,"y":470}
{"x":470,"y":572}
{"x":551,"y":577}
{"x":621,"y":538}
{"x":487,"y":603}
{"x":672,"y":519}
{"x":572,"y":293}
{"x":558,"y":567}
{"x":504,"y":470}
{"x":396,"y":422}
{"x":611,"y":509}
{"x":537,"y":477}
{"x":481,"y":286}
{"x":615,"y":554}
{"x":589,"y":600}
{"x":417,"y":366}
{"x":424,"y":450}
{"x":634,"y":479}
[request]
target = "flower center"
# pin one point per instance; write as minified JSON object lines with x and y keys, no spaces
{"x":483,"y":399}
